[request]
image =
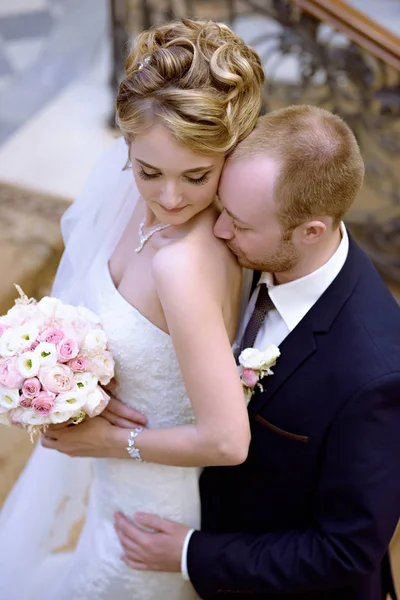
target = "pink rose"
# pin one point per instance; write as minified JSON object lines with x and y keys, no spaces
{"x":249,"y":377}
{"x":43,"y":404}
{"x":67,"y":350}
{"x":52,"y":336}
{"x":78,"y":364}
{"x":31,"y":387}
{"x":25,"y":402}
{"x":10,"y":376}
{"x":3,"y":328}
{"x":57,"y":379}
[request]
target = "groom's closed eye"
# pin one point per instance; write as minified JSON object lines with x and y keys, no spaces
{"x":237,"y":228}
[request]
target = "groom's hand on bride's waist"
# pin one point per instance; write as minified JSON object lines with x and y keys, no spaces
{"x":119,"y":414}
{"x":159,"y":549}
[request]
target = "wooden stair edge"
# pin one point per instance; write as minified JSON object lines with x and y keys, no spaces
{"x":357,"y":26}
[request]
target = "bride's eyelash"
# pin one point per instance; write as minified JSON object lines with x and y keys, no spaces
{"x":147,"y":176}
{"x":236,"y":227}
{"x":200,"y":181}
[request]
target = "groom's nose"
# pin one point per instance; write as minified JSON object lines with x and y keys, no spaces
{"x":223,"y":227}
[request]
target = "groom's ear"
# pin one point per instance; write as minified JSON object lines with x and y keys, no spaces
{"x":313,"y":231}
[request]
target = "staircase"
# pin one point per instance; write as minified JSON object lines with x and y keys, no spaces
{"x":385,"y":12}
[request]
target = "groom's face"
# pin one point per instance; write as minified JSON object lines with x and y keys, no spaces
{"x":249,"y":220}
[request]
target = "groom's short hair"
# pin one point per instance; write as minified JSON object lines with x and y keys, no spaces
{"x":321,"y":171}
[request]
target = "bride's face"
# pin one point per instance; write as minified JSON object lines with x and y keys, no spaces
{"x":175,"y":182}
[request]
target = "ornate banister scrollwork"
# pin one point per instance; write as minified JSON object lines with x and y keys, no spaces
{"x":342,"y":61}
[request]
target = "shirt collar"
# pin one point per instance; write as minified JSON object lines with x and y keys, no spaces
{"x":294,"y":299}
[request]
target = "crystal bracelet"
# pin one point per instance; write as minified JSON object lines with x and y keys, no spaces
{"x":132,"y":451}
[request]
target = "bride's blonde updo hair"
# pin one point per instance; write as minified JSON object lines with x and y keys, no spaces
{"x":195,"y":77}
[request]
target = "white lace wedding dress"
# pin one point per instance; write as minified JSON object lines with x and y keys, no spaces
{"x":149,"y":380}
{"x":47,"y":506}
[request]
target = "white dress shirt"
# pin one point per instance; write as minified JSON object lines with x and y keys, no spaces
{"x":292,"y":302}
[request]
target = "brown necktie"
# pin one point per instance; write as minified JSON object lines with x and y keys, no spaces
{"x":263,"y":305}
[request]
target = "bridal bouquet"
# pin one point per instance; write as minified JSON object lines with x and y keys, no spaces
{"x":53,"y":356}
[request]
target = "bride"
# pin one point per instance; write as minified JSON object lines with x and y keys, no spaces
{"x":141,"y":253}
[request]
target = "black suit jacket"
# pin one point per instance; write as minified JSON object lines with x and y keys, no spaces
{"x":310,"y":513}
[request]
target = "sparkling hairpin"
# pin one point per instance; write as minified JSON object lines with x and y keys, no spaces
{"x":145,"y":62}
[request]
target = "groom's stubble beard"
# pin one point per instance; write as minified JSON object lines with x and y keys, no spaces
{"x":283,"y":259}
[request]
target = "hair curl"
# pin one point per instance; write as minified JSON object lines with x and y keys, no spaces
{"x":195,"y":77}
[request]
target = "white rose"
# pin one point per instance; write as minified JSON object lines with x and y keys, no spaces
{"x":251,"y":358}
{"x":103,"y":367}
{"x":28,"y":416}
{"x":58,"y":416}
{"x":28,"y":364}
{"x":88,"y":315}
{"x":5,"y":321}
{"x":78,"y":328}
{"x":48,"y":307}
{"x":46,"y":353}
{"x":85,"y":382}
{"x":16,"y":316}
{"x":16,"y":339}
{"x":28,"y":334}
{"x":66,"y":313}
{"x":271,"y":354}
{"x":9,"y":398}
{"x":95,"y":341}
{"x":21,"y":314}
{"x":9,"y":343}
{"x":69,"y":403}
{"x":96,"y":402}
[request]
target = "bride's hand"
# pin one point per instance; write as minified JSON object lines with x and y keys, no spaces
{"x":119,"y":414}
{"x":60,"y":425}
{"x":94,"y":437}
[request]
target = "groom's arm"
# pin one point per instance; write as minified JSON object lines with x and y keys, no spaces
{"x":356,"y":509}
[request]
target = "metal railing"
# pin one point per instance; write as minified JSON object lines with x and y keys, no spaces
{"x":342,"y":60}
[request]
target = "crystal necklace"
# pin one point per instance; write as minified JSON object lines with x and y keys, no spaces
{"x":144,"y":237}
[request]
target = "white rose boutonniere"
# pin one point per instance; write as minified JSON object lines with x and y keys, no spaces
{"x":254,"y":365}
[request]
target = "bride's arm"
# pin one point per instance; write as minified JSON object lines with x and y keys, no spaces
{"x":191,"y":290}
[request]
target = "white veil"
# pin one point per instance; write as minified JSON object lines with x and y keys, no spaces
{"x":97,"y":217}
{"x":42,"y":515}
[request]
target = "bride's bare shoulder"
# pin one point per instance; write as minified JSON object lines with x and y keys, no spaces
{"x":202,"y":239}
{"x":199,"y":252}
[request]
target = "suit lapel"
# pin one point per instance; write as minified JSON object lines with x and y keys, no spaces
{"x":301,"y":343}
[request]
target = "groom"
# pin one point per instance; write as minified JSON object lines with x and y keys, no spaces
{"x":310,"y":513}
